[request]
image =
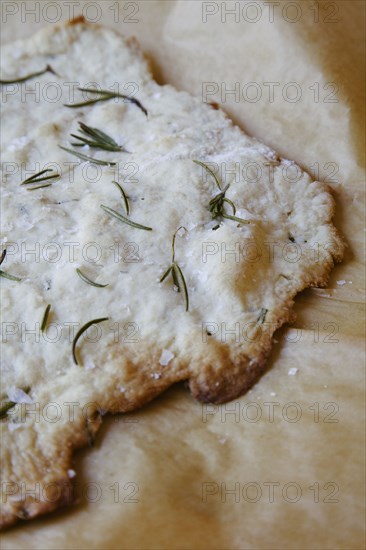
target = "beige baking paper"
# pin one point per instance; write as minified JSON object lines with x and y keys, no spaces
{"x":282,"y":467}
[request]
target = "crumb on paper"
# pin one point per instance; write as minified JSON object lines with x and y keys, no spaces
{"x":292,"y":371}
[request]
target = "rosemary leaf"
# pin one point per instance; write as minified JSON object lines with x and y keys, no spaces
{"x":163,"y":277}
{"x":45,"y":318}
{"x":173,"y":241}
{"x":105,"y":95}
{"x":228,"y":201}
{"x":262,"y":315}
{"x":48,"y":69}
{"x":8,"y":276}
{"x":81,"y":331}
{"x":39,"y":187}
{"x":7,"y":405}
{"x":87,"y":103}
{"x":36,"y":177}
{"x":123,"y":219}
{"x":185,"y":290}
{"x":210,"y":172}
{"x":89,"y":281}
{"x":3,"y":254}
{"x":3,"y":273}
{"x":175,"y":277}
{"x":124,"y":197}
{"x":87,"y":158}
{"x":235,"y":218}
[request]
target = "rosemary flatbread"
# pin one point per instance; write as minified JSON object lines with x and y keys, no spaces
{"x":146,"y":241}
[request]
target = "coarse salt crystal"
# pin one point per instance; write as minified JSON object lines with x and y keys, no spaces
{"x":166,"y":357}
{"x":89,"y":365}
{"x":292,"y":371}
{"x":71,"y":473}
{"x":156,"y":375}
{"x":17,"y":395}
{"x":191,"y":226}
{"x":273,"y":394}
{"x":18,"y":143}
{"x":341,"y":282}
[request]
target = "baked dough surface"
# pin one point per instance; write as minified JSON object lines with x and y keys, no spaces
{"x":241,"y":278}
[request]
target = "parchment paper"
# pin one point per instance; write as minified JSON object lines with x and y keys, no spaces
{"x":282,"y":467}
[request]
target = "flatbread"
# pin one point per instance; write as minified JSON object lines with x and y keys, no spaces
{"x":240,"y":277}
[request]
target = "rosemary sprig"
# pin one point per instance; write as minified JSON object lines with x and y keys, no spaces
{"x":48,"y":69}
{"x":105,"y":95}
{"x":45,"y":318}
{"x":262,"y":316}
{"x":216,"y":205}
{"x":177,"y":273}
{"x":96,"y":139}
{"x":7,"y":405}
{"x":123,"y":219}
{"x":81,"y":331}
{"x":3,"y":273}
{"x":124,"y":197}
{"x":36,"y":177}
{"x":87,"y":158}
{"x":89,"y":281}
